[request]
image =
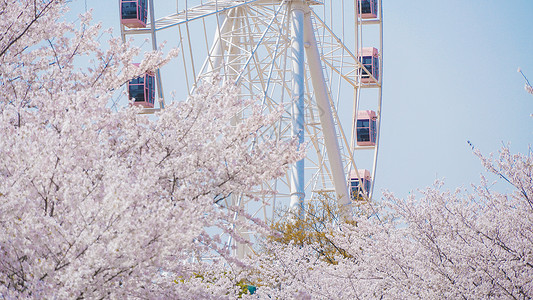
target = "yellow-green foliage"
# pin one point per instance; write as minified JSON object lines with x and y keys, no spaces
{"x":320,"y":221}
{"x":244,"y":287}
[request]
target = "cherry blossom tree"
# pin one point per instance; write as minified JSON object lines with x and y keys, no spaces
{"x":99,"y":204}
{"x":442,"y":245}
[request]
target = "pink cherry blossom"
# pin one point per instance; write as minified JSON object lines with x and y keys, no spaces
{"x":101,"y":204}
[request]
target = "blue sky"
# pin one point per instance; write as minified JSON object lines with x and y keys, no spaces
{"x":450,"y":76}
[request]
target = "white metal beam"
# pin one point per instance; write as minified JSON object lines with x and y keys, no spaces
{"x":157,"y":71}
{"x":326,"y":118}
{"x":297,"y":111}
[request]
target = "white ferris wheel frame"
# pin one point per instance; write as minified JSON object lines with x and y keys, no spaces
{"x":310,"y":59}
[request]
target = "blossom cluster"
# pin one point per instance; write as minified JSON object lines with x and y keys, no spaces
{"x":441,"y":245}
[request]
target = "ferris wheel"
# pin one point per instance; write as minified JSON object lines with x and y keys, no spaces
{"x":320,"y":60}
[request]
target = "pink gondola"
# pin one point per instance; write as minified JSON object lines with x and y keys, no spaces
{"x":367,"y":9}
{"x":133,"y":13}
{"x":142,"y":90}
{"x":359,"y":191}
{"x":366,"y":128}
{"x":369,"y":57}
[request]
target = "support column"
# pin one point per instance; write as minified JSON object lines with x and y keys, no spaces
{"x":326,"y":119}
{"x":216,"y":54}
{"x":154,"y":47}
{"x":297,"y":111}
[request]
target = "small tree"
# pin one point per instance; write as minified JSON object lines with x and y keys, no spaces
{"x":321,"y":221}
